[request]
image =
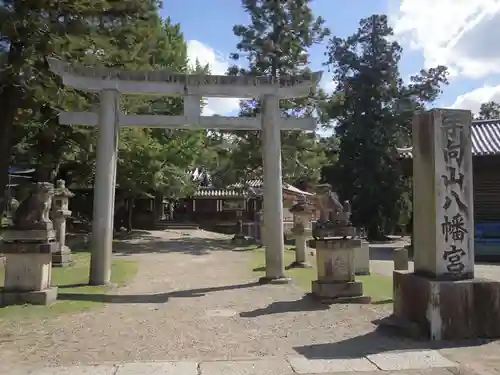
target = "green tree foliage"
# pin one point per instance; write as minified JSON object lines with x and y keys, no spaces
{"x":276,"y":43}
{"x":489,"y":111}
{"x":128,"y":34}
{"x":159,"y":160}
{"x":113,"y":33}
{"x":373,"y":110}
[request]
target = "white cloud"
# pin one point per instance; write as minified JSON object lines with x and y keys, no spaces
{"x":327,"y":82}
{"x":205,"y":55}
{"x":473,"y":99}
{"x":461,"y":34}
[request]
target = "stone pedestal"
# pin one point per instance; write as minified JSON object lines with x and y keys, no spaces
{"x":28,"y":268}
{"x":336,"y":270}
{"x":445,"y":310}
{"x":362,"y":258}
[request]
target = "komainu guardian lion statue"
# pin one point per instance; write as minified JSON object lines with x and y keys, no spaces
{"x":33,"y":212}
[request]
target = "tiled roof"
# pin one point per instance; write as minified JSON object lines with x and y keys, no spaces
{"x":236,"y":190}
{"x":209,"y":192}
{"x":257,"y":183}
{"x":485,"y":136}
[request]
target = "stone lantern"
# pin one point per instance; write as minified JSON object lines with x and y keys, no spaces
{"x":60,"y":211}
{"x":301,"y":231}
{"x":239,"y":236}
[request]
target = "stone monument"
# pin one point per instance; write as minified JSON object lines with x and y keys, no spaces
{"x":336,"y":262}
{"x":441,"y":299}
{"x":62,"y":255}
{"x":28,"y":248}
{"x":301,"y":231}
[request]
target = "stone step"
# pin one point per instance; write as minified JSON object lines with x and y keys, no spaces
{"x":175,"y":225}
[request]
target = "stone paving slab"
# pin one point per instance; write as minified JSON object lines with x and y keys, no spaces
{"x":158,"y":368}
{"x":410,"y":360}
{"x":398,"y":363}
{"x":73,"y":370}
{"x":303,"y":365}
{"x":267,"y":366}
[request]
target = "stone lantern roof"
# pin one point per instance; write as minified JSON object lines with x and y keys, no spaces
{"x":62,"y":191}
{"x":302,"y":206}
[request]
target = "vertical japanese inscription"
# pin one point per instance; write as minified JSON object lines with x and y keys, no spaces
{"x":456,"y":213}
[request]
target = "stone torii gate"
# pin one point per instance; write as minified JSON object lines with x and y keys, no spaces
{"x":110,"y":83}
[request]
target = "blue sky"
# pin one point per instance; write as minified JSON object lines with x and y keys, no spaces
{"x":449,"y":32}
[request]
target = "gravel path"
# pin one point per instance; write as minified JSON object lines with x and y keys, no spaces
{"x":194,"y":298}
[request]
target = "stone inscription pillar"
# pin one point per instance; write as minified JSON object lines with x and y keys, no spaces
{"x":104,"y":188}
{"x":273,"y":193}
{"x":443,"y":195}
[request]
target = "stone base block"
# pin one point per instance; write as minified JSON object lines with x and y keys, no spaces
{"x":325,"y":289}
{"x":241,"y":240}
{"x":400,"y":257}
{"x":446,"y":310}
{"x":28,"y":248}
{"x":362,"y":300}
{"x":275,"y":280}
{"x":299,"y":265}
{"x":27,"y":272}
{"x":30,"y":235}
{"x":62,"y":258}
{"x":37,"y":297}
{"x":335,"y":259}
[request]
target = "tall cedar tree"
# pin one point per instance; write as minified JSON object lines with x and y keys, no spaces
{"x":373,"y":111}
{"x":276,"y":43}
{"x":113,"y":33}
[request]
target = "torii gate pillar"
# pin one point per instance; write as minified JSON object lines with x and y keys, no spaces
{"x":104,"y":188}
{"x":273,"y":193}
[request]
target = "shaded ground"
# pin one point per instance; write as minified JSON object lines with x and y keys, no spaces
{"x":195,"y":298}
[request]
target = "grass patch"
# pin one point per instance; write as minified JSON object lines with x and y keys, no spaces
{"x":379,"y":287}
{"x":71,"y":280}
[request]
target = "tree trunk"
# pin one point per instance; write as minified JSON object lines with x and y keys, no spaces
{"x":9,"y":98}
{"x":130,"y":209}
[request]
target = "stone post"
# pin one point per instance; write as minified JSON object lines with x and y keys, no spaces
{"x":273,"y":192}
{"x":400,"y":259}
{"x":104,"y":188}
{"x":362,"y":258}
{"x":62,"y":256}
{"x":441,"y":297}
{"x":336,"y":272}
